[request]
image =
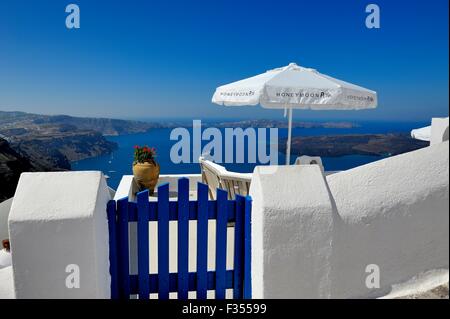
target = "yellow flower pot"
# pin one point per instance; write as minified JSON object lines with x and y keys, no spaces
{"x":146,"y":175}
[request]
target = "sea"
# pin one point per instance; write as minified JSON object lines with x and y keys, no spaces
{"x":119,"y":163}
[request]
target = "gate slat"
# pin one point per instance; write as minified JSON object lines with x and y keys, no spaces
{"x":123,"y":262}
{"x":222,"y":210}
{"x":173,"y":281}
{"x":247,"y":249}
{"x":183,"y":238}
{"x":238,"y":247}
{"x":221,"y":243}
{"x":163,"y":241}
{"x":112,"y":227}
{"x":143,"y":243}
{"x":202,"y":240}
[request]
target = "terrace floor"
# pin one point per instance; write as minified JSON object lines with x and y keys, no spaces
{"x":440,"y":292}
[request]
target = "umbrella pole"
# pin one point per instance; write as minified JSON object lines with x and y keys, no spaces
{"x":288,"y":148}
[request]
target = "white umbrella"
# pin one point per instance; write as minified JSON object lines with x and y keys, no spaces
{"x":296,"y":87}
{"x":423,"y":134}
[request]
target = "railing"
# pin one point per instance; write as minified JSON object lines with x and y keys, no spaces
{"x":223,"y":211}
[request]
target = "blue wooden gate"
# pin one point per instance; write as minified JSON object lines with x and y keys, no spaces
{"x":223,"y":210}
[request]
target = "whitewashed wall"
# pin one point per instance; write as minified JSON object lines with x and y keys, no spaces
{"x":439,"y":130}
{"x":313,"y":238}
{"x":393,"y":213}
{"x":5,"y":206}
{"x":292,"y":220}
{"x":56,"y":220}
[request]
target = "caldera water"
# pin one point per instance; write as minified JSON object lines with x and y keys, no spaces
{"x":119,"y":163}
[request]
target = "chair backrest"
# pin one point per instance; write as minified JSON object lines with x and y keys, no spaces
{"x":236,"y":183}
{"x":216,"y":176}
{"x":210,"y":175}
{"x":310,"y":160}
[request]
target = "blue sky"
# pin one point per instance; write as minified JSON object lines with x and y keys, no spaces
{"x":163,"y":59}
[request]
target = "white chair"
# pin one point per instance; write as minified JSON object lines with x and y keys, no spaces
{"x":310,"y":160}
{"x":217,"y":176}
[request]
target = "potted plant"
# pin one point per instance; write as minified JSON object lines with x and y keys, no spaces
{"x":145,"y":168}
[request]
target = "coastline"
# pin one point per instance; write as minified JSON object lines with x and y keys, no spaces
{"x":118,"y":163}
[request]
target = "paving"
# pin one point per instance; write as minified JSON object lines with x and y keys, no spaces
{"x":439,"y":292}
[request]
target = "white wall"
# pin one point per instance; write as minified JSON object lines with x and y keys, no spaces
{"x":439,"y":130}
{"x":58,"y":219}
{"x":6,"y":283}
{"x":292,"y":219}
{"x":314,"y":238}
{"x":5,"y":206}
{"x":393,"y":213}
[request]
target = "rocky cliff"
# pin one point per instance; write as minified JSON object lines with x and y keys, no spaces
{"x":31,"y":142}
{"x":12,"y":164}
{"x":59,"y":149}
{"x":46,"y":153}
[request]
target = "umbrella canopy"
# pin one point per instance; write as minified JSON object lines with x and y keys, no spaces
{"x":295,"y":87}
{"x":423,"y":134}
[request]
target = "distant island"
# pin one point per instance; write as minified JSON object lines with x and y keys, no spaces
{"x":353,"y":144}
{"x":284,"y":124}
